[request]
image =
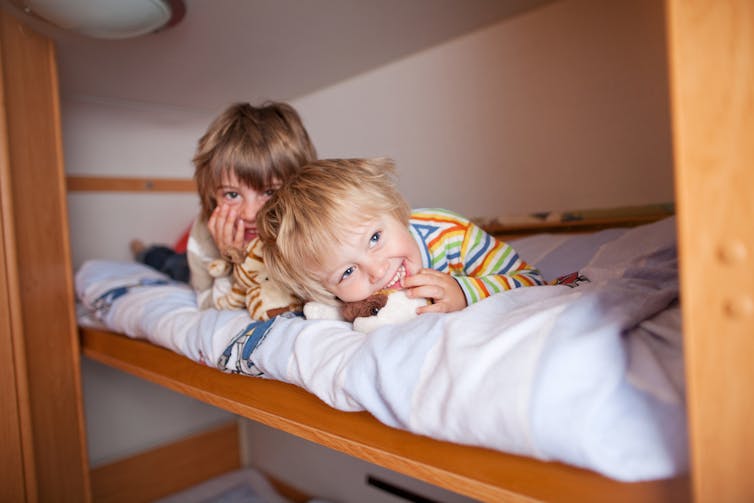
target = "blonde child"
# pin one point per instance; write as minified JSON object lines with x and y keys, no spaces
{"x":245,"y":155}
{"x":339,"y":230}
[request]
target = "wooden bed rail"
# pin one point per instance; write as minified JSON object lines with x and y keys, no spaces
{"x":77,"y":183}
{"x":177,"y":466}
{"x":501,"y":227}
{"x":510,"y":231}
{"x":482,"y":474}
{"x":574,"y":222}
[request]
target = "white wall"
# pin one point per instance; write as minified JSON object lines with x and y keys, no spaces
{"x":120,"y":140}
{"x":564,"y":107}
{"x":126,"y":414}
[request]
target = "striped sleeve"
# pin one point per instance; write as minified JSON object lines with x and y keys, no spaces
{"x":481,"y":264}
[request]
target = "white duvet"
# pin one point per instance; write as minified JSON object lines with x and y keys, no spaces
{"x":591,"y":376}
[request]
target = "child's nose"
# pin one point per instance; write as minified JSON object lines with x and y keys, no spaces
{"x":251,"y":207}
{"x":377,"y":270}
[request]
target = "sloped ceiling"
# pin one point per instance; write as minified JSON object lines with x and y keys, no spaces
{"x":262,"y":49}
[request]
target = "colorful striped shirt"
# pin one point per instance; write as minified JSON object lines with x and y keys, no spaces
{"x":480,"y":264}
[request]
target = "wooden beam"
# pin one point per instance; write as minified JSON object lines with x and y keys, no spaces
{"x":711,"y":44}
{"x":43,"y":270}
{"x":167,"y":469}
{"x":76,"y":183}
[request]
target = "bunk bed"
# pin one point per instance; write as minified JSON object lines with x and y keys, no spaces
{"x":520,"y":381}
{"x":712,"y":118}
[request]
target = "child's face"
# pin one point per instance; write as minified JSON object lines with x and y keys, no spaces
{"x":244,"y":200}
{"x":374,"y":256}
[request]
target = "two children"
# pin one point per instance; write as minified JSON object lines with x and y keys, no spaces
{"x":339,"y":230}
{"x":334,"y":230}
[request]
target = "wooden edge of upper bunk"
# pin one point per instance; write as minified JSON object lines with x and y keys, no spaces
{"x":480,"y":473}
{"x":510,"y":227}
{"x":82,"y":183}
{"x":574,"y":222}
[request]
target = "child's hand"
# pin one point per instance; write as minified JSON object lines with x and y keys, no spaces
{"x":226,"y":229}
{"x":445,"y":292}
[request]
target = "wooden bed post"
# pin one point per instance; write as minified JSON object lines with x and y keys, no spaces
{"x":39,"y":336}
{"x":711,"y":44}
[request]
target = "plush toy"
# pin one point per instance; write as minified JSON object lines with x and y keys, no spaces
{"x":382,"y":308}
{"x":252,"y":287}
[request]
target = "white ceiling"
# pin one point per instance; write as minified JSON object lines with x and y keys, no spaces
{"x":262,"y":49}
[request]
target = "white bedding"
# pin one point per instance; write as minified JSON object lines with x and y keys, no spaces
{"x":591,"y":376}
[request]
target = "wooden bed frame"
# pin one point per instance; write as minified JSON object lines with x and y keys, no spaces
{"x":710,"y":43}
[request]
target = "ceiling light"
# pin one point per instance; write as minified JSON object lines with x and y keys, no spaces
{"x":112,"y":19}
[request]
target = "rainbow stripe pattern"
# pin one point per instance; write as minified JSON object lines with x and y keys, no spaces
{"x":481,"y":264}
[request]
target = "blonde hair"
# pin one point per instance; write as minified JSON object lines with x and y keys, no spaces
{"x":256,"y":144}
{"x":311,"y":213}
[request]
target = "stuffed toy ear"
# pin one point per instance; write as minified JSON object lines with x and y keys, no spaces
{"x":233,"y":258}
{"x":238,"y":256}
{"x":361,"y":309}
{"x":399,"y":308}
{"x":219,"y":268}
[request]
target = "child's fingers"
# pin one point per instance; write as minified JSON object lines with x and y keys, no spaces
{"x":423,"y":277}
{"x":429,"y":291}
{"x":212,"y":225}
{"x":437,"y":307}
{"x":228,"y":222}
{"x":444,"y":291}
{"x":222,"y":225}
{"x":238,"y":234}
{"x":428,"y":283}
{"x":218,"y":218}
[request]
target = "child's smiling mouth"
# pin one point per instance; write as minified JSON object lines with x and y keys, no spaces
{"x":397,"y":277}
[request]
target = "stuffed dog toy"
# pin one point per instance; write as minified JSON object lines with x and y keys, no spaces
{"x":382,"y":308}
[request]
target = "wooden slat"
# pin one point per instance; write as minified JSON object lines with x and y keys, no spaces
{"x":169,"y":468}
{"x":43,"y":263}
{"x":77,"y":183}
{"x":505,"y":231}
{"x":711,"y":44}
{"x":480,"y":473}
{"x":175,"y":467}
{"x":16,"y":455}
{"x":287,"y":491}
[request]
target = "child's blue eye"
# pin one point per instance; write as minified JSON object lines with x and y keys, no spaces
{"x":347,"y":273}
{"x":375,"y":238}
{"x":231,"y":195}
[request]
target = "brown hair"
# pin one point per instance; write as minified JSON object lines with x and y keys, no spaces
{"x":311,"y":213}
{"x":256,"y":144}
